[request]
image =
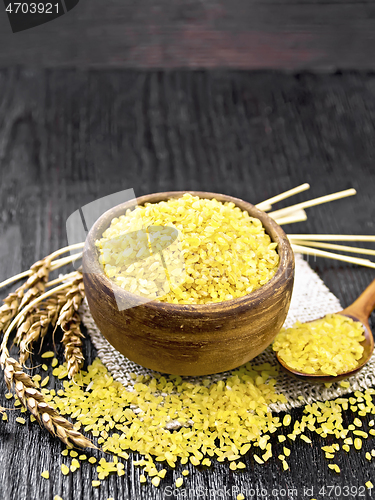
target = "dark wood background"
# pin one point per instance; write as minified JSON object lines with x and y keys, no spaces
{"x":256,"y":34}
{"x":68,"y":137}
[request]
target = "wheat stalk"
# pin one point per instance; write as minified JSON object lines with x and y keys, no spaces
{"x":34,"y":401}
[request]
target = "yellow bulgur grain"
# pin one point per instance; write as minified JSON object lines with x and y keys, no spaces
{"x":305,"y":438}
{"x":208,"y":230}
{"x":44,"y":382}
{"x":21,"y":420}
{"x":185,"y":472}
{"x":155,"y":481}
{"x":346,"y":447}
{"x":8,"y":395}
{"x":258,"y":459}
{"x":162,"y":473}
{"x":334,"y":467}
{"x":281,"y":438}
{"x":369,"y":485}
{"x":142,"y":478}
{"x":240,"y":496}
{"x":82,"y":457}
{"x":64,"y":469}
{"x":330,"y":345}
{"x":45,"y":474}
{"x":92,"y":460}
{"x":179,"y":482}
{"x":54,"y":363}
{"x":95,"y":483}
{"x":357,"y":443}
{"x":361,"y":434}
{"x":286,"y":420}
{"x":57,"y":497}
{"x":344,"y":383}
{"x":233,"y":466}
{"x":73,"y":453}
{"x":5,"y":417}
{"x":48,"y":354}
{"x":285,"y":465}
{"x":368,"y":456}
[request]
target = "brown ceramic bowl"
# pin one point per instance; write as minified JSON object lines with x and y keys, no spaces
{"x":190,"y":339}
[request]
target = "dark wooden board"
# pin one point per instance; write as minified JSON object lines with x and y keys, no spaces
{"x":281,"y":34}
{"x":68,"y":137}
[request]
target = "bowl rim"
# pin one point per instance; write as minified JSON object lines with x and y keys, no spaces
{"x":286,"y":255}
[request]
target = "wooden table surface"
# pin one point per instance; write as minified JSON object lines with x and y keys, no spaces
{"x":69,"y":137}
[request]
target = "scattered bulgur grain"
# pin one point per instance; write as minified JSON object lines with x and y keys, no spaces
{"x":45,"y":474}
{"x":286,"y":420}
{"x":155,"y":481}
{"x":357,"y":443}
{"x":64,"y":469}
{"x":48,"y":354}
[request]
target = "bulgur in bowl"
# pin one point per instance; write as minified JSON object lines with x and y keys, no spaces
{"x":175,"y":335}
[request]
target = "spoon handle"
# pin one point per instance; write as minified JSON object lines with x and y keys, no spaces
{"x":365,"y":304}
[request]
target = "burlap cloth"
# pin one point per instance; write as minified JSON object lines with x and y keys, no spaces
{"x":311,"y":299}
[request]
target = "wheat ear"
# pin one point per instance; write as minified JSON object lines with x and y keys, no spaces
{"x":69,"y":321}
{"x":37,"y":325}
{"x":34,"y":286}
{"x":34,"y":401}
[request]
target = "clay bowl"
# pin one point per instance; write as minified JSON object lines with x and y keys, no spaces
{"x":190,"y":339}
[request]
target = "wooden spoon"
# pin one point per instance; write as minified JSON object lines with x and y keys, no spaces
{"x":360,"y":311}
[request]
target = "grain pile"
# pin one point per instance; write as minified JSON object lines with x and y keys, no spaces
{"x":170,"y":421}
{"x":221,"y":251}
